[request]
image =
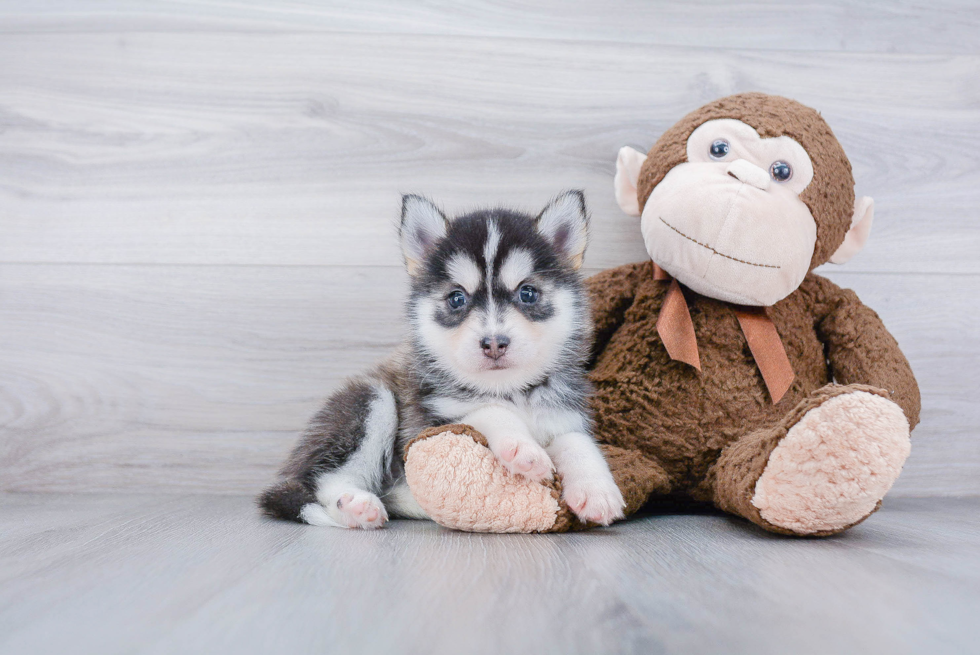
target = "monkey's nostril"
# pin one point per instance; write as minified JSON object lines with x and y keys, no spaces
{"x":747,"y":172}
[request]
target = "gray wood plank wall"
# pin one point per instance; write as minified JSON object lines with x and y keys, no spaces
{"x":197,"y":201}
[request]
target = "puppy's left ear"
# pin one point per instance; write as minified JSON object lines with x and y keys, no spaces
{"x":565,"y":223}
{"x":422,"y":227}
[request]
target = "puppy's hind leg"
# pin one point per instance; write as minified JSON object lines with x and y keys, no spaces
{"x":335,"y":474}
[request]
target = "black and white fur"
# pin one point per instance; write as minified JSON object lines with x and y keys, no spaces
{"x":500,"y":335}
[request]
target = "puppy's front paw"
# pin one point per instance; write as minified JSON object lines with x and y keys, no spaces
{"x":595,"y":500}
{"x":524,"y":458}
{"x":361,"y":510}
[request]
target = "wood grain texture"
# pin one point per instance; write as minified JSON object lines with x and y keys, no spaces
{"x":198,"y":378}
{"x":199,"y":574}
{"x":197,"y":200}
{"x":292,"y":148}
{"x":830,"y":25}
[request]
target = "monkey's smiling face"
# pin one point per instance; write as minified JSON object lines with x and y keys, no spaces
{"x":729,"y":223}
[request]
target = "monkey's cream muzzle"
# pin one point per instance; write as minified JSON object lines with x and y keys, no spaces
{"x":725,"y":230}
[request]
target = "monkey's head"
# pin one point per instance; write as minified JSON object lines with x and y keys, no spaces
{"x":743,"y":197}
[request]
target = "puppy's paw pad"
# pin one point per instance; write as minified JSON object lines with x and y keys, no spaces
{"x":508,"y":453}
{"x":595,"y":501}
{"x":525,"y":458}
{"x":362,"y":510}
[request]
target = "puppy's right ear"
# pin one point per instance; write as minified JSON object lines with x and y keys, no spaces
{"x":422,"y":226}
{"x":565,"y":223}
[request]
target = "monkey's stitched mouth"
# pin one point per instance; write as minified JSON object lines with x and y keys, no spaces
{"x":720,"y":254}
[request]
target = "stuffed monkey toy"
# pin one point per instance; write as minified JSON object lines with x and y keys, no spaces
{"x":725,"y":371}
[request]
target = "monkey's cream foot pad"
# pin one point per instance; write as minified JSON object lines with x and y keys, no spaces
{"x":460,"y":484}
{"x":832,"y":469}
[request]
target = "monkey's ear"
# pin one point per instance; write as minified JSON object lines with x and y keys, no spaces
{"x":565,"y":223}
{"x":422,"y":226}
{"x":857,"y":236}
{"x":628,"y":165}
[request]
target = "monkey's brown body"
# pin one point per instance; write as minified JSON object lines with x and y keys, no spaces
{"x":739,"y":202}
{"x":668,"y":424}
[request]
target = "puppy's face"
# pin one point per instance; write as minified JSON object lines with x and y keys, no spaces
{"x":496,"y":299}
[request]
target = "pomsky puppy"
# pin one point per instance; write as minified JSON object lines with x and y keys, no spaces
{"x":500,"y":335}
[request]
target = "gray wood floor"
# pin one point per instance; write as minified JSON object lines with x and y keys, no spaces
{"x":204,"y":574}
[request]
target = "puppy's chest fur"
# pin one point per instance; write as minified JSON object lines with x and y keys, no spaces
{"x":537,"y":408}
{"x":425,"y":399}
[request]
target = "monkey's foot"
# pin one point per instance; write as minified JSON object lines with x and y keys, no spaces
{"x":834,"y":466}
{"x":461,"y":485}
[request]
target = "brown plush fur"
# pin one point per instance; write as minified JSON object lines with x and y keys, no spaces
{"x":707,"y":435}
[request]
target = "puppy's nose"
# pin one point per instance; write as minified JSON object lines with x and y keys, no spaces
{"x":494,"y":347}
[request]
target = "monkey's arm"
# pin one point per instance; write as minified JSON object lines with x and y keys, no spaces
{"x":862,"y":351}
{"x":611,"y":293}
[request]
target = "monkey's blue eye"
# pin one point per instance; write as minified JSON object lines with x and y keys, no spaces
{"x":781,"y":171}
{"x":719,"y":149}
{"x":528,"y":294}
{"x":456,"y":299}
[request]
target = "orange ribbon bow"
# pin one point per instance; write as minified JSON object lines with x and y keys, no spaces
{"x":676,"y":330}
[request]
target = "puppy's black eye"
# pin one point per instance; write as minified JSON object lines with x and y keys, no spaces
{"x":781,"y":171}
{"x":719,"y":149}
{"x":456,"y":299}
{"x":528,"y":294}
